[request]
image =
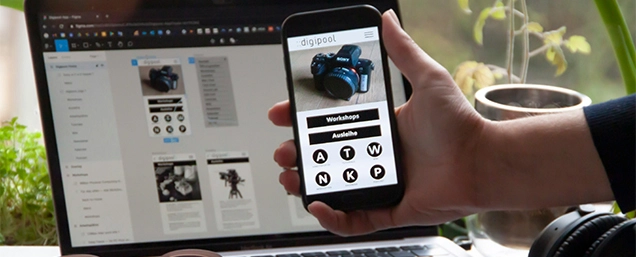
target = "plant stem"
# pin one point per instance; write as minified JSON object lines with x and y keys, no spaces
{"x":621,"y":40}
{"x":503,"y":71}
{"x":511,"y":40}
{"x":526,"y":43}
{"x":539,"y":50}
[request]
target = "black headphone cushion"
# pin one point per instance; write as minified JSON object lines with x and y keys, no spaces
{"x":620,"y":242}
{"x":586,"y":234}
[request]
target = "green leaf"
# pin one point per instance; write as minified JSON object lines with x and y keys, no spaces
{"x":556,"y":57}
{"x":578,"y":44}
{"x":463,"y":4}
{"x":26,"y":215}
{"x":620,"y":35}
{"x":499,"y":11}
{"x":534,"y":27}
{"x":554,"y":37}
{"x":15,"y":4}
{"x":478,"y":32}
{"x":471,"y":76}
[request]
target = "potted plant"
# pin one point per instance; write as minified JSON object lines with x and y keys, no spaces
{"x":26,"y":212}
{"x":471,"y":76}
{"x":511,"y":233}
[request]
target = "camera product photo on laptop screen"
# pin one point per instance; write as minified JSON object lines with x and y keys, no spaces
{"x":155,"y":123}
{"x":343,"y":123}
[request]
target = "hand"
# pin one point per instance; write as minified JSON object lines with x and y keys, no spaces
{"x":437,"y":127}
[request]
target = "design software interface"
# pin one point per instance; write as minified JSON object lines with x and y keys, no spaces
{"x":162,"y":129}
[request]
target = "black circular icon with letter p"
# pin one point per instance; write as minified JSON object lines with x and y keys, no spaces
{"x":378,"y":172}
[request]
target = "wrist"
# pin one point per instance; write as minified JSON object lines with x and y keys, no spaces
{"x":536,"y":162}
{"x":485,"y":158}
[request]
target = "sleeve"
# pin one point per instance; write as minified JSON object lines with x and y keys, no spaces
{"x":612,"y":125}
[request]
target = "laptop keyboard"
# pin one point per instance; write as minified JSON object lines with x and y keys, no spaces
{"x":402,"y":251}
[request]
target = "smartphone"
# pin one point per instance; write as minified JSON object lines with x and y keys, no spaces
{"x":342,"y":108}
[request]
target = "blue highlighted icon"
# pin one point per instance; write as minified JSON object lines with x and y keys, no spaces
{"x":169,"y":140}
{"x":61,"y":45}
{"x":134,"y":62}
{"x":191,"y":60}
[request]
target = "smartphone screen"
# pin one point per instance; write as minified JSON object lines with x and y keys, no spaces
{"x":342,"y":107}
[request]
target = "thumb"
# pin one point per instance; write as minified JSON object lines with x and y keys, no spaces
{"x":414,"y":63}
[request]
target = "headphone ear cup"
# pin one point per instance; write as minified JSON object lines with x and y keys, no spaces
{"x":616,"y":242}
{"x":586,"y":234}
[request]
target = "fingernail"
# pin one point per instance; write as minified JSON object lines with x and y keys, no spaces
{"x":394,"y":16}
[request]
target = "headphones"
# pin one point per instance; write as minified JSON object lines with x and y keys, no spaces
{"x":586,"y":233}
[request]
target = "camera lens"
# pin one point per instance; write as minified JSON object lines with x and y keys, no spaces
{"x":342,"y":82}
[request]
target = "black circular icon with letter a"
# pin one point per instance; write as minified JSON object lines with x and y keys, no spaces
{"x":320,"y":156}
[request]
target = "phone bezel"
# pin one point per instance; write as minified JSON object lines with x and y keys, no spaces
{"x":331,"y":20}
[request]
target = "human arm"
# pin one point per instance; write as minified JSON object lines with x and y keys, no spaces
{"x":541,"y":161}
{"x":457,"y":163}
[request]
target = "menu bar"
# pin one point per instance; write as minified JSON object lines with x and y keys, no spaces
{"x":60,"y":39}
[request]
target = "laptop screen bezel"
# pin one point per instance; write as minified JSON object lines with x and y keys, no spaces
{"x":35,"y":8}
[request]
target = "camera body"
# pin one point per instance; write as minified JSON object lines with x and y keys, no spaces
{"x":224,"y":175}
{"x":342,"y":74}
{"x":163,"y":80}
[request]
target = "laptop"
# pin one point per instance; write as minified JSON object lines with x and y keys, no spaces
{"x":155,"y":122}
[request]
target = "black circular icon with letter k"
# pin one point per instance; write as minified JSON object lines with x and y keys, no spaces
{"x":350,"y":175}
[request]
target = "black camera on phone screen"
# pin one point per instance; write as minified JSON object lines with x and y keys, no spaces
{"x":342,"y":74}
{"x":163,"y":80}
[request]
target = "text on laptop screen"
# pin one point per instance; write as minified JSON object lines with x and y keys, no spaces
{"x":161,"y":127}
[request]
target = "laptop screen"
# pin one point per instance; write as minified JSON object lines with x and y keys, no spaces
{"x":156,"y":124}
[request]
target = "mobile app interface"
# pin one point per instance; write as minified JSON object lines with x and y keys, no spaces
{"x":342,"y":111}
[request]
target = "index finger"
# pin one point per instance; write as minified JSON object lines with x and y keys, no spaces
{"x":279,"y":114}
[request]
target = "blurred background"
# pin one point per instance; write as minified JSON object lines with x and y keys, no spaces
{"x":445,"y":32}
{"x":440,"y":27}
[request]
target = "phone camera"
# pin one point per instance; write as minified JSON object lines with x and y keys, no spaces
{"x":342,"y":74}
